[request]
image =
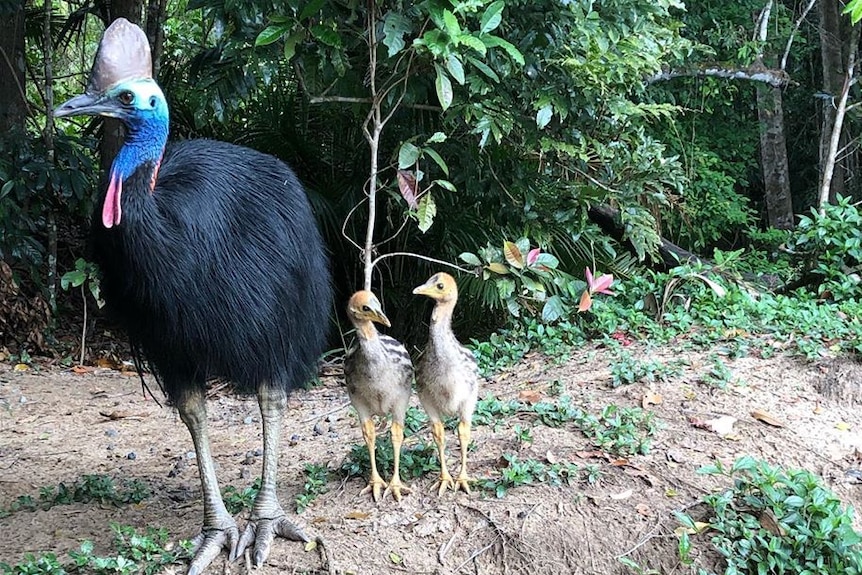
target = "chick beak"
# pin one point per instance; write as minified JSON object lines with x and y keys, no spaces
{"x":88,"y":104}
{"x":424,"y":289}
{"x":381,"y":318}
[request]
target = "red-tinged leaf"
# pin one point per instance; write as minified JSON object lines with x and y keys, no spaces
{"x":530,"y":396}
{"x":408,"y":187}
{"x":586,"y":302}
{"x":533,"y":256}
{"x":602,"y":284}
{"x":589,"y":275}
{"x":513,"y":255}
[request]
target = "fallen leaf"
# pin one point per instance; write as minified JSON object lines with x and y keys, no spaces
{"x":643,"y":509}
{"x":699,"y":527}
{"x":622,"y":462}
{"x":723,"y":425}
{"x":651,"y":398}
{"x":408,"y":188}
{"x":552,"y":459}
{"x":671,"y":492}
{"x":395,"y":557}
{"x":766,"y":418}
{"x":590,"y":454}
{"x":842,"y":426}
{"x":357,"y":515}
{"x":767,"y":521}
{"x":107,"y":363}
{"x":818,"y":409}
{"x":21,"y":367}
{"x":622,"y":495}
{"x":81,"y":369}
{"x":530,"y":396}
{"x":674,"y":455}
{"x":310,"y":546}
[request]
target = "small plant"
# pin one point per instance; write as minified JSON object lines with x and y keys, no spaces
{"x":85,"y":274}
{"x":237,"y":501}
{"x":719,"y":375}
{"x":627,"y":370}
{"x":316,"y":477}
{"x":620,"y":430}
{"x":523,"y":435}
{"x":519,"y":472}
{"x":416,"y":460}
{"x":88,"y":488}
{"x":777,"y":521}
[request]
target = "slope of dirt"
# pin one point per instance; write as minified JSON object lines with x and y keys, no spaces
{"x":57,"y":425}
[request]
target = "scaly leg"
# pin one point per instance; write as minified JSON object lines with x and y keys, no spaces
{"x":375,"y":483}
{"x":219,"y":528}
{"x":462,"y":482}
{"x":395,"y":485}
{"x":445,"y":480}
{"x":267,"y":517}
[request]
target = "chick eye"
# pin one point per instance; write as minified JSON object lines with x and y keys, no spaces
{"x":126,"y":98}
{"x":366,"y":308}
{"x":440,"y":286}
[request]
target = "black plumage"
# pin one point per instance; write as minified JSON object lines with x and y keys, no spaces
{"x":213,"y":264}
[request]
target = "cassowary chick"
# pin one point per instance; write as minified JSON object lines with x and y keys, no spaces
{"x":379,"y":374}
{"x":447,"y":377}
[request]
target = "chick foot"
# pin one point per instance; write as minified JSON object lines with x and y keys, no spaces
{"x":396,"y":488}
{"x":375,"y":487}
{"x":445,"y":482}
{"x":462,"y":483}
{"x":207,"y":545}
{"x":261,"y":531}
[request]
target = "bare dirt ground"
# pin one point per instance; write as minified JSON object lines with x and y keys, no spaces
{"x":56,"y":425}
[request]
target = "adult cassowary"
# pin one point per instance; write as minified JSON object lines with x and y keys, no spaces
{"x":212,"y":262}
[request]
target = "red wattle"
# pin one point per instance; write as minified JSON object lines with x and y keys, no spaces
{"x":111,"y":210}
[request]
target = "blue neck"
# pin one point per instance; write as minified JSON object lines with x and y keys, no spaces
{"x":145,"y":143}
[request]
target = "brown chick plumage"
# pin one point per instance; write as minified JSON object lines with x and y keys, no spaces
{"x":379,"y":374}
{"x":447,"y":377}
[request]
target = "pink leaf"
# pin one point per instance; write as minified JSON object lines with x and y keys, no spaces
{"x":589,"y":279}
{"x":586,"y":302}
{"x":408,"y":186}
{"x":533,"y":255}
{"x":602,"y":284}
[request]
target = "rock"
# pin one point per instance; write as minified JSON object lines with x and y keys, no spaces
{"x":318,"y":428}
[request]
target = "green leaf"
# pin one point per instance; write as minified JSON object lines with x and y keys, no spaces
{"x":453,"y":64}
{"x":471,"y":259}
{"x":484,"y":68}
{"x":553,"y":309}
{"x":408,"y":155}
{"x":444,"y":88}
{"x":547,"y":260}
{"x":290,"y":43}
{"x":271,"y":33}
{"x":395,"y":26}
{"x":446,"y":185}
{"x":543,"y":116}
{"x":436,"y":138}
{"x":508,"y":47}
{"x":425,"y":212}
{"x":451,"y":23}
{"x":492,"y":17}
{"x":326,"y":34}
{"x":311,"y":9}
{"x":437,"y":159}
{"x":473,"y":43}
{"x":513,"y":255}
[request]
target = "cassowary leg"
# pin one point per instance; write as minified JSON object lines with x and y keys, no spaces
{"x":463,"y":480}
{"x":375,"y":482}
{"x":395,"y":485}
{"x":439,"y":434}
{"x":267,"y":517}
{"x":219,"y":529}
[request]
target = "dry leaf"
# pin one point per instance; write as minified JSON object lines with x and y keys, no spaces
{"x":622,"y":495}
{"x":651,"y":398}
{"x":395,"y":557}
{"x":552,"y":459}
{"x":699,"y":527}
{"x":357,"y":515}
{"x":767,"y":521}
{"x":818,"y":409}
{"x":310,"y":546}
{"x":81,"y":369}
{"x":671,"y":492}
{"x":590,"y":454}
{"x":766,"y":418}
{"x":407,"y":185}
{"x":530,"y":396}
{"x":842,"y":426}
{"x":643,"y":509}
{"x":723,"y":425}
{"x":21,"y":367}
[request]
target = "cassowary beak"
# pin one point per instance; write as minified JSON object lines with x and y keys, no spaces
{"x":89,"y":105}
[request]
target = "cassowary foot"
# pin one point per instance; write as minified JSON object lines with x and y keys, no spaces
{"x":262,"y":531}
{"x":444,"y":482}
{"x":396,"y":488}
{"x":375,"y":485}
{"x":207,"y":545}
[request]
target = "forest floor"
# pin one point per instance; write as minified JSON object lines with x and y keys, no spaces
{"x":57,"y":425}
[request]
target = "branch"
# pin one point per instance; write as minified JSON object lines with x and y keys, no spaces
{"x":774,"y":78}
{"x":796,"y":26}
{"x":427,"y":259}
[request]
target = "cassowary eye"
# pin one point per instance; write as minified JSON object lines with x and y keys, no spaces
{"x":152,"y":101}
{"x":126,"y":98}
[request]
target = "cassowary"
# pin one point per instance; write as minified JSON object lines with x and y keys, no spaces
{"x":447,"y":377}
{"x":212,"y":262}
{"x":379,"y":377}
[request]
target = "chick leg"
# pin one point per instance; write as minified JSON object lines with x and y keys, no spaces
{"x":375,"y":483}
{"x":445,"y":480}
{"x":462,"y":482}
{"x":219,"y":529}
{"x":267,"y":517}
{"x":395,"y":485}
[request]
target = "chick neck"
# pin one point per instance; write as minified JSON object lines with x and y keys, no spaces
{"x":365,"y":329}
{"x":441,"y":319}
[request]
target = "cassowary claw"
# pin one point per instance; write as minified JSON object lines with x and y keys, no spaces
{"x":207,"y":545}
{"x":262,"y":531}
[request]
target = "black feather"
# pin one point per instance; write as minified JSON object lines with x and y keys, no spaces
{"x":219,"y":271}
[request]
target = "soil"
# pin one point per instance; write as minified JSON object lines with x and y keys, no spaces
{"x":57,"y":425}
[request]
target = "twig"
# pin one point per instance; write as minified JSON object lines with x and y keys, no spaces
{"x":444,"y":549}
{"x":796,"y":26}
{"x":330,"y":412}
{"x":477,"y":553}
{"x":426,"y":258}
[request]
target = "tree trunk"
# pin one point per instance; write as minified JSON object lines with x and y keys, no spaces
{"x":113,"y":131}
{"x":13,"y":104}
{"x":156,"y":10}
{"x":773,"y":158}
{"x":833,"y":62}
